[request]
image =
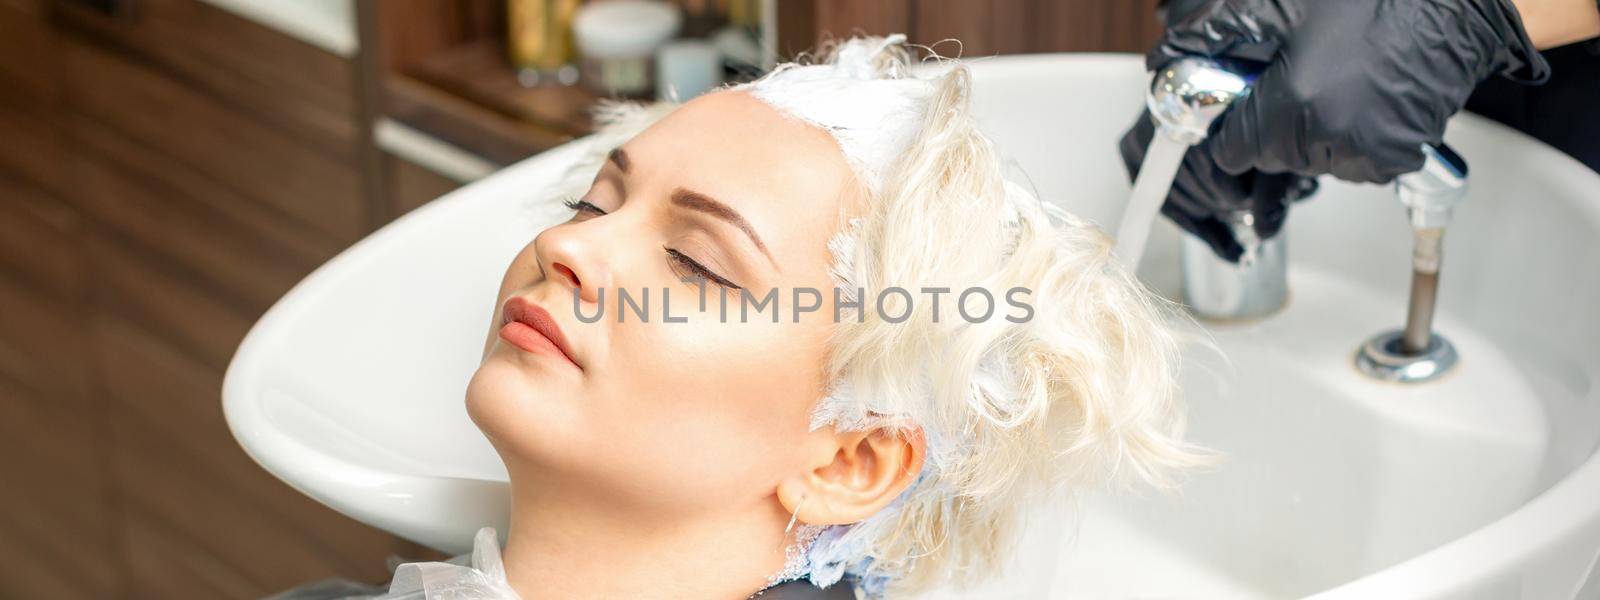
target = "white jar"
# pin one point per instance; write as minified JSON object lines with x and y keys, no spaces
{"x":687,"y":68}
{"x":616,"y":40}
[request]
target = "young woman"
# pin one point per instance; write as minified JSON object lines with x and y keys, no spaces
{"x":799,"y":338}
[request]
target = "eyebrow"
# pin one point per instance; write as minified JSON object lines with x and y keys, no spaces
{"x":697,"y":201}
{"x":619,"y":157}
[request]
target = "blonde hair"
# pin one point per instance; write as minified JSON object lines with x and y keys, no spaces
{"x":1011,"y":409}
{"x":1084,"y":391}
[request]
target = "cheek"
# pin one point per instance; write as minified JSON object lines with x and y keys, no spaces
{"x":522,"y":272}
{"x":753,"y":372}
{"x":731,"y":400}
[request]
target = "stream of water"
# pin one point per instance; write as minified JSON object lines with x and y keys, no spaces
{"x":1161,"y":162}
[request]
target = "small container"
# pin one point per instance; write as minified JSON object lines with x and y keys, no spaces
{"x":617,"y":40}
{"x":687,"y":68}
{"x":740,"y":41}
{"x":539,"y":40}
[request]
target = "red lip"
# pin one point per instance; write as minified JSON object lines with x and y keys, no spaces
{"x":531,"y":328}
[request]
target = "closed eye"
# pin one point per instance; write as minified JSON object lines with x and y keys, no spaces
{"x":681,"y":262}
{"x":583,"y":206}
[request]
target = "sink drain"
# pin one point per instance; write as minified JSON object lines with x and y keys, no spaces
{"x":1383,"y":357}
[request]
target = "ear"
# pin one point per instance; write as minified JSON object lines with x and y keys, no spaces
{"x":855,"y":475}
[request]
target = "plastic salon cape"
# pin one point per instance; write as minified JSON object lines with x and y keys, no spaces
{"x":481,"y":576}
{"x":476,"y":576}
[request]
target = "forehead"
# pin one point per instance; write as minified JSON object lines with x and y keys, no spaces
{"x":786,"y":177}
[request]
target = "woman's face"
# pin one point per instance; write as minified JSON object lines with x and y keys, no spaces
{"x":692,"y":417}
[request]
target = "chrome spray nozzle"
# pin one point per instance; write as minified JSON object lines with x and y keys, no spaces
{"x":1186,"y":97}
{"x":1188,"y":94}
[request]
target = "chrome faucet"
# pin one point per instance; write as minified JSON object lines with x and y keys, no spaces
{"x":1185,"y":97}
{"x":1256,"y":286}
{"x":1415,"y":353}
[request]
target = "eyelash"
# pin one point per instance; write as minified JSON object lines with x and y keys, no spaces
{"x":583,"y":206}
{"x":683,"y":261}
{"x":679,"y":260}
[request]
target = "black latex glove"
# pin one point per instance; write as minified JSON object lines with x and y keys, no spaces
{"x":1354,"y":87}
{"x":1203,"y":194}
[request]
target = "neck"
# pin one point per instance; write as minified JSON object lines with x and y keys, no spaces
{"x":560,"y":547}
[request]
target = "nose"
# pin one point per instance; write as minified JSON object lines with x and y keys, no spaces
{"x":566,"y":274}
{"x":573,"y":256}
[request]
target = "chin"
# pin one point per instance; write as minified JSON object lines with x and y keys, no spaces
{"x":518,"y":409}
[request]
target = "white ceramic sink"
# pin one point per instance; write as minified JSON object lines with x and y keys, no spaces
{"x":1481,"y":485}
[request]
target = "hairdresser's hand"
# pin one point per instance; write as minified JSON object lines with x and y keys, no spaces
{"x":1353,"y":87}
{"x":1203,"y":194}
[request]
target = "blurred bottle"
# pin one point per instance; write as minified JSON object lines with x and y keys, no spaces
{"x":539,"y":39}
{"x":701,"y":18}
{"x":691,"y":65}
{"x":739,"y":42}
{"x":744,"y":13}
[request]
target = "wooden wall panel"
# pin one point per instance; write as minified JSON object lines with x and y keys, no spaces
{"x":415,"y":29}
{"x":25,"y":50}
{"x":1095,"y":26}
{"x":261,"y":534}
{"x":52,"y":463}
{"x":141,"y":288}
{"x":414,"y":185}
{"x":965,"y":29}
{"x":40,"y":238}
{"x":42,"y":342}
{"x":298,"y":88}
{"x":797,"y":27}
{"x":34,"y":149}
{"x":164,"y":564}
{"x":246,"y":253}
{"x":57,"y":513}
{"x":163,"y":179}
{"x":998,"y":26}
{"x":259,"y":160}
{"x":842,"y":18}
